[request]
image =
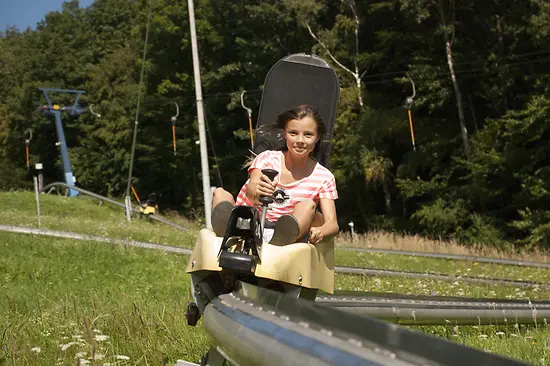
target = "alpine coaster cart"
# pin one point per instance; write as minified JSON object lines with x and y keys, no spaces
{"x":296,"y":269}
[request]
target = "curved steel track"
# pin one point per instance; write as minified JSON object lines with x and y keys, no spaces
{"x":459,"y":257}
{"x":438,"y":276}
{"x":370,"y":250}
{"x":116,"y":203}
{"x":337,"y":269}
{"x":434,"y":310}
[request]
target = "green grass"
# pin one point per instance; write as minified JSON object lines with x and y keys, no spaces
{"x":84,"y":215}
{"x":57,"y":291}
{"x":525,"y":343}
{"x":415,"y":286}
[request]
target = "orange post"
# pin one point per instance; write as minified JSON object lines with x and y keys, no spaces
{"x":27,"y":151}
{"x":412,"y":131}
{"x":174,"y":137}
{"x":136,"y":195}
{"x":251,"y":134}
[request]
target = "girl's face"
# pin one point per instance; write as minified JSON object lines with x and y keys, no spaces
{"x":301,"y":136}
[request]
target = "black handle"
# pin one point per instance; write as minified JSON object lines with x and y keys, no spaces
{"x":271,"y":174}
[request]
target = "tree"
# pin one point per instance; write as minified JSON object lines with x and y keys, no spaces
{"x":445,"y":13}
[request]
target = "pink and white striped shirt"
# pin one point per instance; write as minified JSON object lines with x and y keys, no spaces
{"x":319,"y":184}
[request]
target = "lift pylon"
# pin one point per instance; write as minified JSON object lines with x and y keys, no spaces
{"x":56,"y":110}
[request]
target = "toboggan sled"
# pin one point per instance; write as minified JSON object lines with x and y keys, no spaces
{"x":298,"y":268}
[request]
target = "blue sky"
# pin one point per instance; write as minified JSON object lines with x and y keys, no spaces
{"x":26,"y":13}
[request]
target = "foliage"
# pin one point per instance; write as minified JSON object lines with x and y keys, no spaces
{"x":496,"y":194}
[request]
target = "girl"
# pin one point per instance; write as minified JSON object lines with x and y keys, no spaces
{"x":301,"y":185}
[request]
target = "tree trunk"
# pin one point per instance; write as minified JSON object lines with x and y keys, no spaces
{"x":361,"y":208}
{"x":387,"y":196}
{"x":459,"y":106}
{"x":502,"y":71}
{"x":472,"y":109}
{"x":358,"y":82}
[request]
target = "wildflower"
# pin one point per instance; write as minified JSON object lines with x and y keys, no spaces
{"x":122,"y":357}
{"x":66,"y":346}
{"x":101,"y":337}
{"x":36,"y":349}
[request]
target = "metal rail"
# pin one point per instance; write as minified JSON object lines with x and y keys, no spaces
{"x":116,"y":203}
{"x":337,"y":269}
{"x":437,"y":276}
{"x":452,"y":257}
{"x":440,"y":310}
{"x":255,"y":326}
{"x":404,"y":309}
{"x":357,"y":296}
{"x":70,"y":235}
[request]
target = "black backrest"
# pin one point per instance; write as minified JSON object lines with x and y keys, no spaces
{"x":297,"y":79}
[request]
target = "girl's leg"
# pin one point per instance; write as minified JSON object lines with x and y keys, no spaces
{"x":222,"y":205}
{"x":304,"y":212}
{"x":289,"y":228}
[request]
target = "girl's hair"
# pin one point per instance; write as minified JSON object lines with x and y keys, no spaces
{"x":271,"y":137}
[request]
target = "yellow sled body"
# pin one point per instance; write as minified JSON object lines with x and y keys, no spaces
{"x":301,"y":264}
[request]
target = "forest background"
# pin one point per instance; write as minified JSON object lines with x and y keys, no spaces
{"x":481,"y":114}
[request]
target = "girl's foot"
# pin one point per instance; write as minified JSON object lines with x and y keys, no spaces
{"x":286,"y":231}
{"x":220,"y":217}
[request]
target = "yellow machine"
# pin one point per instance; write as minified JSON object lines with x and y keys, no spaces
{"x":147,"y":210}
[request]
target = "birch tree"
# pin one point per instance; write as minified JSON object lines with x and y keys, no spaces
{"x":352,"y":61}
{"x":444,"y":12}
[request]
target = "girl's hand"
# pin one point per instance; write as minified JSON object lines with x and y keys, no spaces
{"x":315,"y":235}
{"x":265,"y":187}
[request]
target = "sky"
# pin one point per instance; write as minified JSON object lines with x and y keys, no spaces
{"x":26,"y":13}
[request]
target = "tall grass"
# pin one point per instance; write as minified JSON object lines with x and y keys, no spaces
{"x":64,"y":302}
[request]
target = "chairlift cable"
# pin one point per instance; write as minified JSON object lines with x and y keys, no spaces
{"x":249,"y":119}
{"x":212,"y":144}
{"x":138,"y":102}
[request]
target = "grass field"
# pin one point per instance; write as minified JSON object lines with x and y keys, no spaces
{"x":62,"y":301}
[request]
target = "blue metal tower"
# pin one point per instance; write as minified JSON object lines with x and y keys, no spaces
{"x":56,"y":110}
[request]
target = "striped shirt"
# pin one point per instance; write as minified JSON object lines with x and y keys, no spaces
{"x":319,"y":184}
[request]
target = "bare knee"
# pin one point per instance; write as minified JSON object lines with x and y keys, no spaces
{"x":221,"y":195}
{"x":219,"y":192}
